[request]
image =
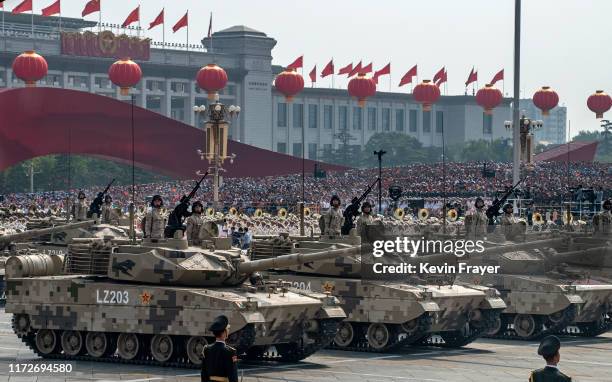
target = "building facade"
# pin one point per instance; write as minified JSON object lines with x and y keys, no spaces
{"x":554,"y":128}
{"x":266,"y":120}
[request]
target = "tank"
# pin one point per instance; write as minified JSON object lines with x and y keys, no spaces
{"x":152,"y":303}
{"x":384,"y":315}
{"x":545,"y":290}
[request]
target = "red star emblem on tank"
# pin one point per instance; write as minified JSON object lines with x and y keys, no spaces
{"x":328,"y":287}
{"x":145,"y":298}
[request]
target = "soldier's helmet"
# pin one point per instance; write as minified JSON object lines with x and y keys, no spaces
{"x":508,"y":208}
{"x":81,"y":195}
{"x":366,"y":204}
{"x":195,"y":204}
{"x":479,"y":203}
{"x":334,"y":197}
{"x":108,"y":199}
{"x":607,"y":205}
{"x":157,"y":197}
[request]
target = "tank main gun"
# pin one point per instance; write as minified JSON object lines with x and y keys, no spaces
{"x":34,"y":233}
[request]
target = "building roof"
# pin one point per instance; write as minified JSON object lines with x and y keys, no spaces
{"x":577,"y":151}
{"x":239,"y":30}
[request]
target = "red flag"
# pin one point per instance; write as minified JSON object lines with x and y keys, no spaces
{"x":346,"y":70}
{"x":438,"y":75}
{"x":298,"y":63}
{"x":52,"y":9}
{"x":26,"y":5}
{"x":498,"y":76}
{"x":158,"y":20}
{"x":356,"y":69}
{"x":442,"y":78}
{"x":313,"y":74}
{"x":132,"y":17}
{"x":408,"y":76}
{"x":92,"y":6}
{"x":382,"y":72}
{"x":366,"y":69}
{"x":473,"y":77}
{"x":2,"y":5}
{"x":183,"y":22}
{"x":210,"y":26}
{"x":328,"y":69}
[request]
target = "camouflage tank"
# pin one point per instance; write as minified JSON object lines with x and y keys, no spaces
{"x":544,"y":293}
{"x":384,"y":315}
{"x":152,"y":303}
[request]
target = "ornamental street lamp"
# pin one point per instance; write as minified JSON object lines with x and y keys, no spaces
{"x":526,"y":128}
{"x":217,"y":129}
{"x":380,"y":154}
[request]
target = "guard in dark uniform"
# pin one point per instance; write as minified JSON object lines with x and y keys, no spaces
{"x":549,"y":349}
{"x":220,"y":361}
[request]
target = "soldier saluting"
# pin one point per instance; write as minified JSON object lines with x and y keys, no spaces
{"x":220,"y":361}
{"x":549,"y":349}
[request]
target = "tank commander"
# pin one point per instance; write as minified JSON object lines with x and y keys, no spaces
{"x":108,"y":213}
{"x":195,"y":222}
{"x":79,"y":210}
{"x":476,"y":223}
{"x":331,"y":222}
{"x":512,"y":228}
{"x":155,"y":221}
{"x":365,"y":218}
{"x":602,"y":222}
{"x":549,"y":349}
{"x":220,"y":361}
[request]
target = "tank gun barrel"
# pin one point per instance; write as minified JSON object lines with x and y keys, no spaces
{"x":285,"y":261}
{"x":34,"y":233}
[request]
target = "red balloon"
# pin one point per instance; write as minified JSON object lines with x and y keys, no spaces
{"x":125,"y":73}
{"x":599,"y":103}
{"x":289,"y":83}
{"x":361,"y":88}
{"x":211,"y":78}
{"x":30,"y":67}
{"x":489,"y":98}
{"x":426,"y":93}
{"x":545,"y":99}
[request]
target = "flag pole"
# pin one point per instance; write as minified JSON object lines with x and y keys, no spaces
{"x":100,"y":19}
{"x":60,"y":21}
{"x":3,"y":20}
{"x":138,"y":31}
{"x":188,"y":58}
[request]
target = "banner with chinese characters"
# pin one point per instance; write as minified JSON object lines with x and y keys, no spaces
{"x":105,"y":44}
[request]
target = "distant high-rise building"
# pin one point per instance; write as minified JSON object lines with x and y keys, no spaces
{"x":554,"y":130}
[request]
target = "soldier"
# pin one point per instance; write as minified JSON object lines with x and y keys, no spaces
{"x":79,"y":210}
{"x":220,"y":361}
{"x":602,"y":222}
{"x":155,"y":221}
{"x":549,"y":349}
{"x":511,"y":226}
{"x":476,"y":223}
{"x":365,"y":218}
{"x":331,"y":222}
{"x":195,"y":222}
{"x":107,"y":212}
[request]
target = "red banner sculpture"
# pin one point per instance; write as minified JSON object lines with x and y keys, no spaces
{"x":105,"y":44}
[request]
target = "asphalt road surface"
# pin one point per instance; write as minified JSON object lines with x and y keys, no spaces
{"x":585,"y":359}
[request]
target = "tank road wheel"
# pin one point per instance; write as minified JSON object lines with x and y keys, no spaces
{"x":21,"y":324}
{"x":345,"y":335}
{"x":162,"y":347}
{"x":195,"y":349}
{"x":46,"y":341}
{"x":72,"y":342}
{"x":594,"y":328}
{"x":379,"y":336}
{"x":128,"y":346}
{"x":527,"y":326}
{"x":496,"y":328}
{"x":98,"y":344}
{"x":556,"y":318}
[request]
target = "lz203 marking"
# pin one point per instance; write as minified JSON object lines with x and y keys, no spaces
{"x":106,"y":296}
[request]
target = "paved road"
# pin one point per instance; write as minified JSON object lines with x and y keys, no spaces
{"x":485,"y":360}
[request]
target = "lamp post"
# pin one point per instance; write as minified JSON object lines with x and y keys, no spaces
{"x":217,"y":129}
{"x":380,"y":154}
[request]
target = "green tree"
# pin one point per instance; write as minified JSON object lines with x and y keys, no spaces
{"x":401,"y":150}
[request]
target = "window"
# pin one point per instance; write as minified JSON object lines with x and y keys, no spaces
{"x":487,"y":124}
{"x":372,"y":118}
{"x":328,"y":117}
{"x":297,"y":150}
{"x":427,"y":122}
{"x":439,"y":122}
{"x":298,"y":115}
{"x":281,"y":147}
{"x":386,"y":119}
{"x":327,"y":148}
{"x":357,"y":118}
{"x":413,"y":121}
{"x":312,"y":151}
{"x":281,"y":115}
{"x":343,"y":117}
{"x":399,"y":120}
{"x":313,"y":116}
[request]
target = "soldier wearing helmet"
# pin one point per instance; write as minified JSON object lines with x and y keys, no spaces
{"x":331,"y":222}
{"x":155,"y":221}
{"x":195,"y":222}
{"x":477,"y":221}
{"x":602,"y":222}
{"x":511,"y":226}
{"x":79,"y":210}
{"x":365,"y":218}
{"x":107,"y":212}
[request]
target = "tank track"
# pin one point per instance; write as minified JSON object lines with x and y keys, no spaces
{"x":588,"y":329}
{"x":246,"y":338}
{"x":460,"y":338}
{"x":294,"y":352}
{"x":508,"y":333}
{"x":422,"y":330}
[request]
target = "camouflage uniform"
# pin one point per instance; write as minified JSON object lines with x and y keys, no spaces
{"x":108,"y":214}
{"x":80,"y":210}
{"x":476,"y":223}
{"x":603,"y":222}
{"x":333,"y":222}
{"x":362,"y":222}
{"x":511,"y":226}
{"x":155,"y":223}
{"x":194,"y":224}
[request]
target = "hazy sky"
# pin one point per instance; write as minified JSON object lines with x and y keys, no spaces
{"x":567,"y":44}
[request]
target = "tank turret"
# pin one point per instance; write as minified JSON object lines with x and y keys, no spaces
{"x":36,"y":233}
